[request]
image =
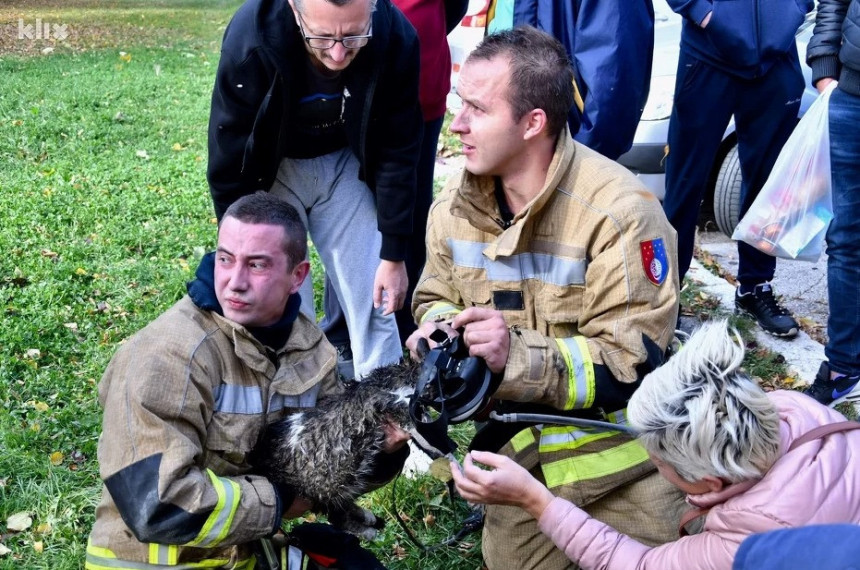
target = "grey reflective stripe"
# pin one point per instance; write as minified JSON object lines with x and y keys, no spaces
{"x":577,"y":373}
{"x":225,"y":513}
{"x":542,"y":266}
{"x":306,"y":400}
{"x":234,"y":399}
{"x":162,"y":554}
{"x":294,"y":559}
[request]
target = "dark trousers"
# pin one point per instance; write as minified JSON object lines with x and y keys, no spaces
{"x":334,"y":323}
{"x":765,"y":111}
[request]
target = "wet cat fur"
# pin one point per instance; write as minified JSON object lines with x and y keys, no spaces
{"x":326,"y":453}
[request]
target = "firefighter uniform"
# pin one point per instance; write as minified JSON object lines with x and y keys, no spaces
{"x":586,"y":278}
{"x":185,"y":400}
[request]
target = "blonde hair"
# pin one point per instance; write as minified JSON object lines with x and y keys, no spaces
{"x":703,"y":415}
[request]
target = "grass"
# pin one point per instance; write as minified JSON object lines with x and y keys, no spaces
{"x":105,"y":212}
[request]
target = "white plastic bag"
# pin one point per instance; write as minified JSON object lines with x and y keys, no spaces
{"x":790,"y":215}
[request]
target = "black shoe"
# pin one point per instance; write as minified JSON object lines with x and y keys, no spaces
{"x":345,"y":366}
{"x":830,"y":392}
{"x":766,"y":310}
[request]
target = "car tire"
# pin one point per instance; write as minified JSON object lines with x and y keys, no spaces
{"x":727,"y":193}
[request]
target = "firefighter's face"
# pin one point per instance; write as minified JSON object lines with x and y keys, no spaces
{"x":493,"y":141}
{"x":253,"y":274}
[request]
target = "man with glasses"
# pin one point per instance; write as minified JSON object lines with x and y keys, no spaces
{"x":316,"y":101}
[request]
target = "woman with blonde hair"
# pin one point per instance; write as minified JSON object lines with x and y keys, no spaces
{"x":749,"y":462}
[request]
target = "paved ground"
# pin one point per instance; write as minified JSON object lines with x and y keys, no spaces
{"x":802,"y":286}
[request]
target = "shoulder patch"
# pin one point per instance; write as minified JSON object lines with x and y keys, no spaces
{"x":655,"y":262}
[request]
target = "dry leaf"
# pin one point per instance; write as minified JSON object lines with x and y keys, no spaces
{"x":33,"y":353}
{"x":19,"y":521}
{"x":38,"y":546}
{"x":141,"y":154}
{"x":441,"y":469}
{"x":41,"y":407}
{"x":44,"y":528}
{"x":3,"y":550}
{"x":57,"y":458}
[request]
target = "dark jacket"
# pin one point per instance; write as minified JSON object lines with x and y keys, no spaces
{"x":611,"y":46}
{"x":834,"y":50}
{"x":744,"y":37}
{"x":250,"y":119}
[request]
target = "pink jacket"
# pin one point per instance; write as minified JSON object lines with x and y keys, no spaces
{"x":817,"y":483}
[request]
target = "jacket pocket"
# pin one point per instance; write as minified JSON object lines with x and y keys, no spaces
{"x":560,"y":308}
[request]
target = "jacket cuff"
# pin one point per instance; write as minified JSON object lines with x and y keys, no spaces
{"x":284,"y":495}
{"x":824,"y":66}
{"x":394,"y":247}
{"x":698,"y":10}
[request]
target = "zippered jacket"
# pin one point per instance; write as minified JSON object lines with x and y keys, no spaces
{"x":816,"y":483}
{"x":743,"y":37}
{"x":585,"y":277}
{"x":250,"y":121}
{"x":185,"y":401}
{"x":834,"y":49}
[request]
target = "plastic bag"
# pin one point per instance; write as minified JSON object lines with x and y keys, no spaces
{"x":790,"y":215}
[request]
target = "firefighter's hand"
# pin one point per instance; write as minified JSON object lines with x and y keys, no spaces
{"x":395,"y":437}
{"x":424,"y":332}
{"x":504,"y":483}
{"x":486,"y":334}
{"x":299,"y":507}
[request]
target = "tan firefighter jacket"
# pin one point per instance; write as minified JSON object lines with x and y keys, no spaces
{"x":581,"y":274}
{"x":185,"y":400}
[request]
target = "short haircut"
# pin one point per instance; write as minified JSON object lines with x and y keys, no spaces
{"x":541,"y":73}
{"x":703,"y":415}
{"x":299,"y":4}
{"x":264,"y":208}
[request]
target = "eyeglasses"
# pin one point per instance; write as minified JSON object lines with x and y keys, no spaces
{"x":322,"y":42}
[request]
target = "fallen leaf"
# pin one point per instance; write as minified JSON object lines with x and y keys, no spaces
{"x":41,"y":407}
{"x":33,"y":353}
{"x":39,"y":546}
{"x":3,"y":550}
{"x":19,"y":521}
{"x":430,"y":519}
{"x":441,"y":469}
{"x":126,"y":57}
{"x":177,"y":147}
{"x":44,"y":528}
{"x":71,"y":326}
{"x":57,"y":458}
{"x":142,"y":154}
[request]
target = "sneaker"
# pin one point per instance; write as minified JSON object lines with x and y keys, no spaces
{"x":766,"y":310}
{"x":833,"y":391}
{"x":345,"y":367}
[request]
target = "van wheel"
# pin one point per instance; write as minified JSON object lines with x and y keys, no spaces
{"x":727,"y":193}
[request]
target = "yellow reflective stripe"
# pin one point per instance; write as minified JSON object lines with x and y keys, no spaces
{"x":164,"y":554}
{"x":594,"y":465}
{"x":218,"y":524}
{"x":99,"y":558}
{"x":580,"y":372}
{"x":522,"y":440}
{"x":440,"y":309}
{"x":557,"y":438}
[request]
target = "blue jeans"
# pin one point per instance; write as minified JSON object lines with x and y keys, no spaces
{"x":843,"y":235}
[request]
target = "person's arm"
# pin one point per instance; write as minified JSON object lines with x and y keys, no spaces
{"x":822,"y":52}
{"x":238,"y":94}
{"x":612,"y":57}
{"x":694,"y":10}
{"x":586,"y":541}
{"x":158,"y":406}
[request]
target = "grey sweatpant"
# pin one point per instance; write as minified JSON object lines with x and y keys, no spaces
{"x":339,"y":211}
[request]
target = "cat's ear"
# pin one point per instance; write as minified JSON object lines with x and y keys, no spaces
{"x":422,"y":348}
